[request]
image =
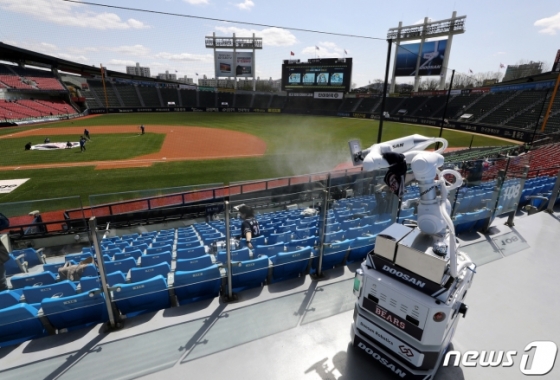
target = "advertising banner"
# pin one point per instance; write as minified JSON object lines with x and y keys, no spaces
{"x":226,"y":67}
{"x":9,"y":185}
{"x":431,"y":58}
{"x":328,"y":95}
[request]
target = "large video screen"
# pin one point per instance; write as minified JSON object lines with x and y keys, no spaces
{"x":317,"y":74}
{"x":431,"y":59}
{"x":225,"y":67}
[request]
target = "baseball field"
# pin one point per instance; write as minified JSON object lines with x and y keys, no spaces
{"x":184,"y":149}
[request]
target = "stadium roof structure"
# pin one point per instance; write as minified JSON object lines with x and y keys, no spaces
{"x":21,"y":56}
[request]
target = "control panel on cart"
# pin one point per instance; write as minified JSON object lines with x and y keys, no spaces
{"x":411,"y":288}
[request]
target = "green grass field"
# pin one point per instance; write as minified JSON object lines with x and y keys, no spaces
{"x":295,"y":145}
{"x":101,"y":148}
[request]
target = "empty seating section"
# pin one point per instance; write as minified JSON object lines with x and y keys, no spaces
{"x":261,"y":101}
{"x":170,"y":95}
{"x":278,"y":101}
{"x":128,"y":94}
{"x":430,"y":105}
{"x":43,"y":83}
{"x":150,"y":96}
{"x":367,"y":105}
{"x":188,"y":98}
{"x":96,"y":86}
{"x":225,"y":99}
{"x":150,"y":271}
{"x":458,"y":105}
{"x":349,"y":104}
{"x":410,"y":105}
{"x":485,"y":105}
{"x":207,"y":99}
{"x":243,"y":100}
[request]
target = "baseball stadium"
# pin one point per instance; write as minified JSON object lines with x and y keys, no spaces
{"x":125,"y":198}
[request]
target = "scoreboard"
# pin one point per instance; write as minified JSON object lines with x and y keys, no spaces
{"x":334,"y":74}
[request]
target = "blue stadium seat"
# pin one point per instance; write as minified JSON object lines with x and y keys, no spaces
{"x":189,"y":253}
{"x":35,"y":294}
{"x":122,"y":244}
{"x":115,"y":278}
{"x":333,"y":254}
{"x":333,"y":236}
{"x":90,"y":270}
{"x":236,"y":255}
{"x":15,"y":265}
{"x":305,"y":232}
{"x":286,"y":228}
{"x":149,"y":260}
{"x":379,"y":226}
{"x":75,"y":311}
{"x":88,"y":250}
{"x":310,"y":241}
{"x":162,"y":243}
{"x":349,"y":223}
{"x":282,"y":237}
{"x":130,"y":236}
{"x":112,"y":251}
{"x":32,"y":256}
{"x":141,"y":297}
{"x":89,"y":283}
{"x":356,"y":232}
{"x":360,"y":248}
{"x":250,"y":273}
{"x":189,"y":244}
{"x":268,"y":250}
{"x":163,"y":249}
{"x":190,"y":286}
{"x":145,"y":273}
{"x":19,"y":323}
{"x":136,"y":245}
{"x":290,"y":264}
{"x":134,"y":253}
{"x":120,"y":265}
{"x":77,"y":257}
{"x":10,"y":298}
{"x":53,"y":267}
{"x":187,"y":265}
{"x":254,"y":241}
{"x":35,"y":279}
{"x":368,"y":220}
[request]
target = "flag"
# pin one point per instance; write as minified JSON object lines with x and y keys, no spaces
{"x":316,"y":47}
{"x":196,"y":74}
{"x":345,"y":52}
{"x":501,"y":66}
{"x":176,"y":71}
{"x":292,"y":53}
{"x":470,"y":71}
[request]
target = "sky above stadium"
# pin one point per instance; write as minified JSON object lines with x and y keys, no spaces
{"x":497,"y":32}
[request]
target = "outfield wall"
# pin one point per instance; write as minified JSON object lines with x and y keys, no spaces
{"x":517,"y":134}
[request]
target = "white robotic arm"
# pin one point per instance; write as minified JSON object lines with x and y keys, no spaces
{"x":433,"y":210}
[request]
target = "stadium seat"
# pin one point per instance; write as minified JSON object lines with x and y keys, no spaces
{"x":53,"y":267}
{"x":89,"y":283}
{"x":134,"y":253}
{"x":162,"y":249}
{"x":120,"y":265}
{"x":10,"y":298}
{"x":141,"y":246}
{"x":188,"y":265}
{"x":355,"y":232}
{"x":249,"y":273}
{"x":236,"y":255}
{"x":333,"y":254}
{"x":15,"y":265}
{"x":19,"y":323}
{"x":141,"y":297}
{"x":77,"y":257}
{"x":75,"y":311}
{"x":333,"y":236}
{"x":310,"y":241}
{"x":32,"y":256}
{"x":290,"y":264}
{"x":361,"y":246}
{"x":35,"y":279}
{"x":156,"y":258}
{"x":254,"y":241}
{"x":189,"y":253}
{"x":190,"y":286}
{"x":282,"y":237}
{"x":145,"y":273}
{"x":162,"y":243}
{"x":188,"y":244}
{"x":36,"y":294}
{"x":268,"y":250}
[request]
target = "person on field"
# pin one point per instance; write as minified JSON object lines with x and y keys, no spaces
{"x":82,"y":144}
{"x":68,"y":145}
{"x":47,"y":140}
{"x":142,"y":128}
{"x":86,"y":134}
